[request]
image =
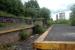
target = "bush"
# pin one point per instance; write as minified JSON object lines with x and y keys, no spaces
{"x":62,"y":21}
{"x":73,"y":22}
{"x":49,"y":23}
{"x":6,"y":24}
{"x":5,"y":14}
{"x":2,"y":24}
{"x":38,"y":29}
{"x":23,"y":35}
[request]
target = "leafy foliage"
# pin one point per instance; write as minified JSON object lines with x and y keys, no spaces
{"x":31,"y":8}
{"x":38,"y":29}
{"x":2,"y":25}
{"x":32,"y":4}
{"x":12,"y":6}
{"x":5,"y":14}
{"x":72,"y":15}
{"x":44,"y":12}
{"x":50,"y":22}
{"x":63,"y":21}
{"x":23,"y":35}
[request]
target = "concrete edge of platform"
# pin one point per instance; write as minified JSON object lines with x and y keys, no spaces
{"x":55,"y":45}
{"x":41,"y":44}
{"x":13,"y":30}
{"x":42,"y":37}
{"x":57,"y":42}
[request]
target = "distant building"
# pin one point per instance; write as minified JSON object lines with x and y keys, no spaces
{"x":57,"y":17}
{"x":62,"y":15}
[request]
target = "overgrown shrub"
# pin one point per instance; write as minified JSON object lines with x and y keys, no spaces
{"x":73,"y":22}
{"x":63,"y":21}
{"x":5,"y":14}
{"x":2,"y":24}
{"x":6,"y":24}
{"x":23,"y":35}
{"x":49,"y":23}
{"x":38,"y":29}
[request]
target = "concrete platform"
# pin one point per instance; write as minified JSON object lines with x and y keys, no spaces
{"x":57,"y":37}
{"x":61,"y":32}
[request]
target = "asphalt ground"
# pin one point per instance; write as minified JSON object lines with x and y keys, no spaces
{"x":61,"y":32}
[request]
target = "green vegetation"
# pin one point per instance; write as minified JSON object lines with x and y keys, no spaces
{"x":12,"y":6}
{"x":29,"y":9}
{"x":73,"y":22}
{"x":2,"y":25}
{"x":50,"y":22}
{"x":38,"y":29}
{"x":64,"y":21}
{"x":15,"y":8}
{"x":6,"y":14}
{"x":23,"y":35}
{"x":72,"y":15}
{"x":45,"y":13}
{"x":6,"y":24}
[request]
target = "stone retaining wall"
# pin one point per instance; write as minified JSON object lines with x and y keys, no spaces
{"x":15,"y":20}
{"x":29,"y":21}
{"x":12,"y":37}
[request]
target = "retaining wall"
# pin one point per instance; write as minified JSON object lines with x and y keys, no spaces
{"x":11,"y":37}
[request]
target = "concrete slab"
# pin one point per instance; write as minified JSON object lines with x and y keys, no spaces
{"x":61,"y":32}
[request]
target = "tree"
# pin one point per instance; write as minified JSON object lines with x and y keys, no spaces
{"x":72,"y":15}
{"x":15,"y":7}
{"x":32,"y":4}
{"x":3,"y":4}
{"x":45,"y":13}
{"x":12,"y":6}
{"x":31,"y":8}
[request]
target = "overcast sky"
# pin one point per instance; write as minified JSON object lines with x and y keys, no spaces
{"x":55,"y":5}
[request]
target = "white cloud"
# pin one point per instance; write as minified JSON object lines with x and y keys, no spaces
{"x":55,"y":4}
